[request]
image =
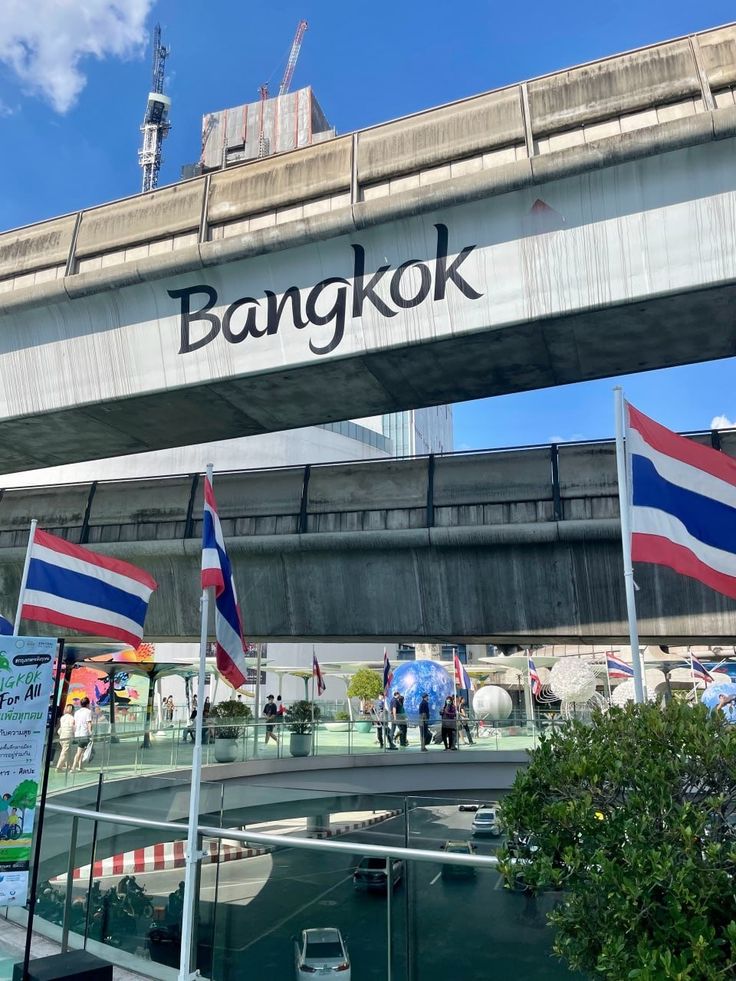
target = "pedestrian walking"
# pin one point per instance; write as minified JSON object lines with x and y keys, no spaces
{"x":191,"y":728}
{"x":384,"y":733}
{"x":398,"y":715}
{"x":82,"y":732}
{"x":448,"y":714}
{"x":270,"y":712}
{"x":169,"y":710}
{"x":462,"y":715}
{"x":66,"y":736}
{"x":425,"y":733}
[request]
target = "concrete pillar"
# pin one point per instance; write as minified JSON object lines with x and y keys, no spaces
{"x":317,"y":824}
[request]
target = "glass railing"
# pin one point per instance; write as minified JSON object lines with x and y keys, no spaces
{"x":411,"y":893}
{"x":136,"y":752}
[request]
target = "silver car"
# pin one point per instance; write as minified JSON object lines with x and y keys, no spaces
{"x":486,"y":822}
{"x":321,"y":953}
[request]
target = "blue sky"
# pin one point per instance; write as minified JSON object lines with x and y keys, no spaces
{"x":74,"y":79}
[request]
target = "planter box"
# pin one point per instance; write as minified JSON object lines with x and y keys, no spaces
{"x":336,"y":726}
{"x":300,"y":744}
{"x":226,"y":750}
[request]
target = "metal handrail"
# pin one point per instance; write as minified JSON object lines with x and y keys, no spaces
{"x":260,"y":838}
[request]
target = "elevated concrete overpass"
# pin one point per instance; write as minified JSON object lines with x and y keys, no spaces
{"x":573,"y":226}
{"x":511,"y":546}
{"x":238,"y":794}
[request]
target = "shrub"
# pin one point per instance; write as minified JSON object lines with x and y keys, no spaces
{"x":366,"y":684}
{"x":631,"y":817}
{"x":228,"y":719}
{"x":300,"y":716}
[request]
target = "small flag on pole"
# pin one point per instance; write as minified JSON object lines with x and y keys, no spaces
{"x":462,"y":678}
{"x":534,"y":680}
{"x":70,"y":586}
{"x":618,"y":668}
{"x":387,"y":672}
{"x":317,"y":674}
{"x":700,"y":672}
{"x":217,"y":572}
{"x":683,"y":504}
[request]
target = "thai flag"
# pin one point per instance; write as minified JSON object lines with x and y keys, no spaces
{"x":71,"y":586}
{"x":534,"y":680}
{"x":462,"y":678}
{"x":618,"y":668}
{"x":683,"y":504}
{"x":318,"y":677}
{"x":700,"y":672}
{"x":6,"y":627}
{"x":217,"y":572}
{"x":387,"y":672}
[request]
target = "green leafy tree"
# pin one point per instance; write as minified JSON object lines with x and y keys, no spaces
{"x":24,"y":795}
{"x":365,"y":683}
{"x":633,"y":818}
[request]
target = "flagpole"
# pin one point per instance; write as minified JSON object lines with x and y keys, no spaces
{"x":24,"y":577}
{"x":692,"y":674}
{"x":193,"y":856}
{"x":529,"y":695}
{"x":623,"y":502}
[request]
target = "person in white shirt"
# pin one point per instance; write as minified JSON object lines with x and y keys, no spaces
{"x":66,"y":734}
{"x":82,"y":732}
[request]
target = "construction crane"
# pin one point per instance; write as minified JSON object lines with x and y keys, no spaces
{"x":156,"y":123}
{"x":296,"y":44}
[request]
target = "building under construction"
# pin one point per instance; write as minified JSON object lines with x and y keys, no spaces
{"x":258,"y":129}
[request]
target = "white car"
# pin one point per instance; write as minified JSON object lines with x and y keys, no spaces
{"x":321,"y":953}
{"x":486,"y":822}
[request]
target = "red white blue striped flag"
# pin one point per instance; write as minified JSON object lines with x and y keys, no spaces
{"x":217,"y":572}
{"x":700,"y":672}
{"x":70,"y":586}
{"x":682,"y":498}
{"x":318,"y":676}
{"x":534,"y":680}
{"x":387,"y":672}
{"x":617,"y":668}
{"x":462,"y":678}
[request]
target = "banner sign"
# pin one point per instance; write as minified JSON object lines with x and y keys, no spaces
{"x":26,"y":684}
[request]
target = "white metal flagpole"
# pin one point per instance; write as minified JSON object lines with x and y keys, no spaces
{"x":187,"y":956}
{"x":24,"y":577}
{"x":623,"y":501}
{"x":692,"y":675}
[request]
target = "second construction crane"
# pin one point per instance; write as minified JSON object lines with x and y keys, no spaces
{"x":156,"y":123}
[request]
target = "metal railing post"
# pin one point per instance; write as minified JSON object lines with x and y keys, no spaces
{"x":69,"y":886}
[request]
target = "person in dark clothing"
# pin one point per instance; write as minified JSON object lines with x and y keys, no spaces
{"x":398,"y":714}
{"x":380,"y":716}
{"x":449,"y":723}
{"x":425,"y":734}
{"x":270,"y":711}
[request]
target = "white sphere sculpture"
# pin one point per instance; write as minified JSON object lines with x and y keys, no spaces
{"x":572,"y":680}
{"x":492,"y":702}
{"x":625,"y":692}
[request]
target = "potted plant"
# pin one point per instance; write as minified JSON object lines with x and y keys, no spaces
{"x":227,"y":721}
{"x":341,"y":722}
{"x":366,"y":684}
{"x":301,"y":717}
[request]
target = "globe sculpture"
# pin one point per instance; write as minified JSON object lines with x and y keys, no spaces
{"x":413,"y":678}
{"x":492,"y":703}
{"x":710,"y":698}
{"x":626,"y":692}
{"x":573,"y":681}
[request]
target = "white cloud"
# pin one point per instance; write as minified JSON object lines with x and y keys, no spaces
{"x":722,"y":422}
{"x":44,"y":43}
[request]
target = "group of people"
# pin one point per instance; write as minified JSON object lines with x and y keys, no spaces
{"x":74,"y":731}
{"x":392,"y":724}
